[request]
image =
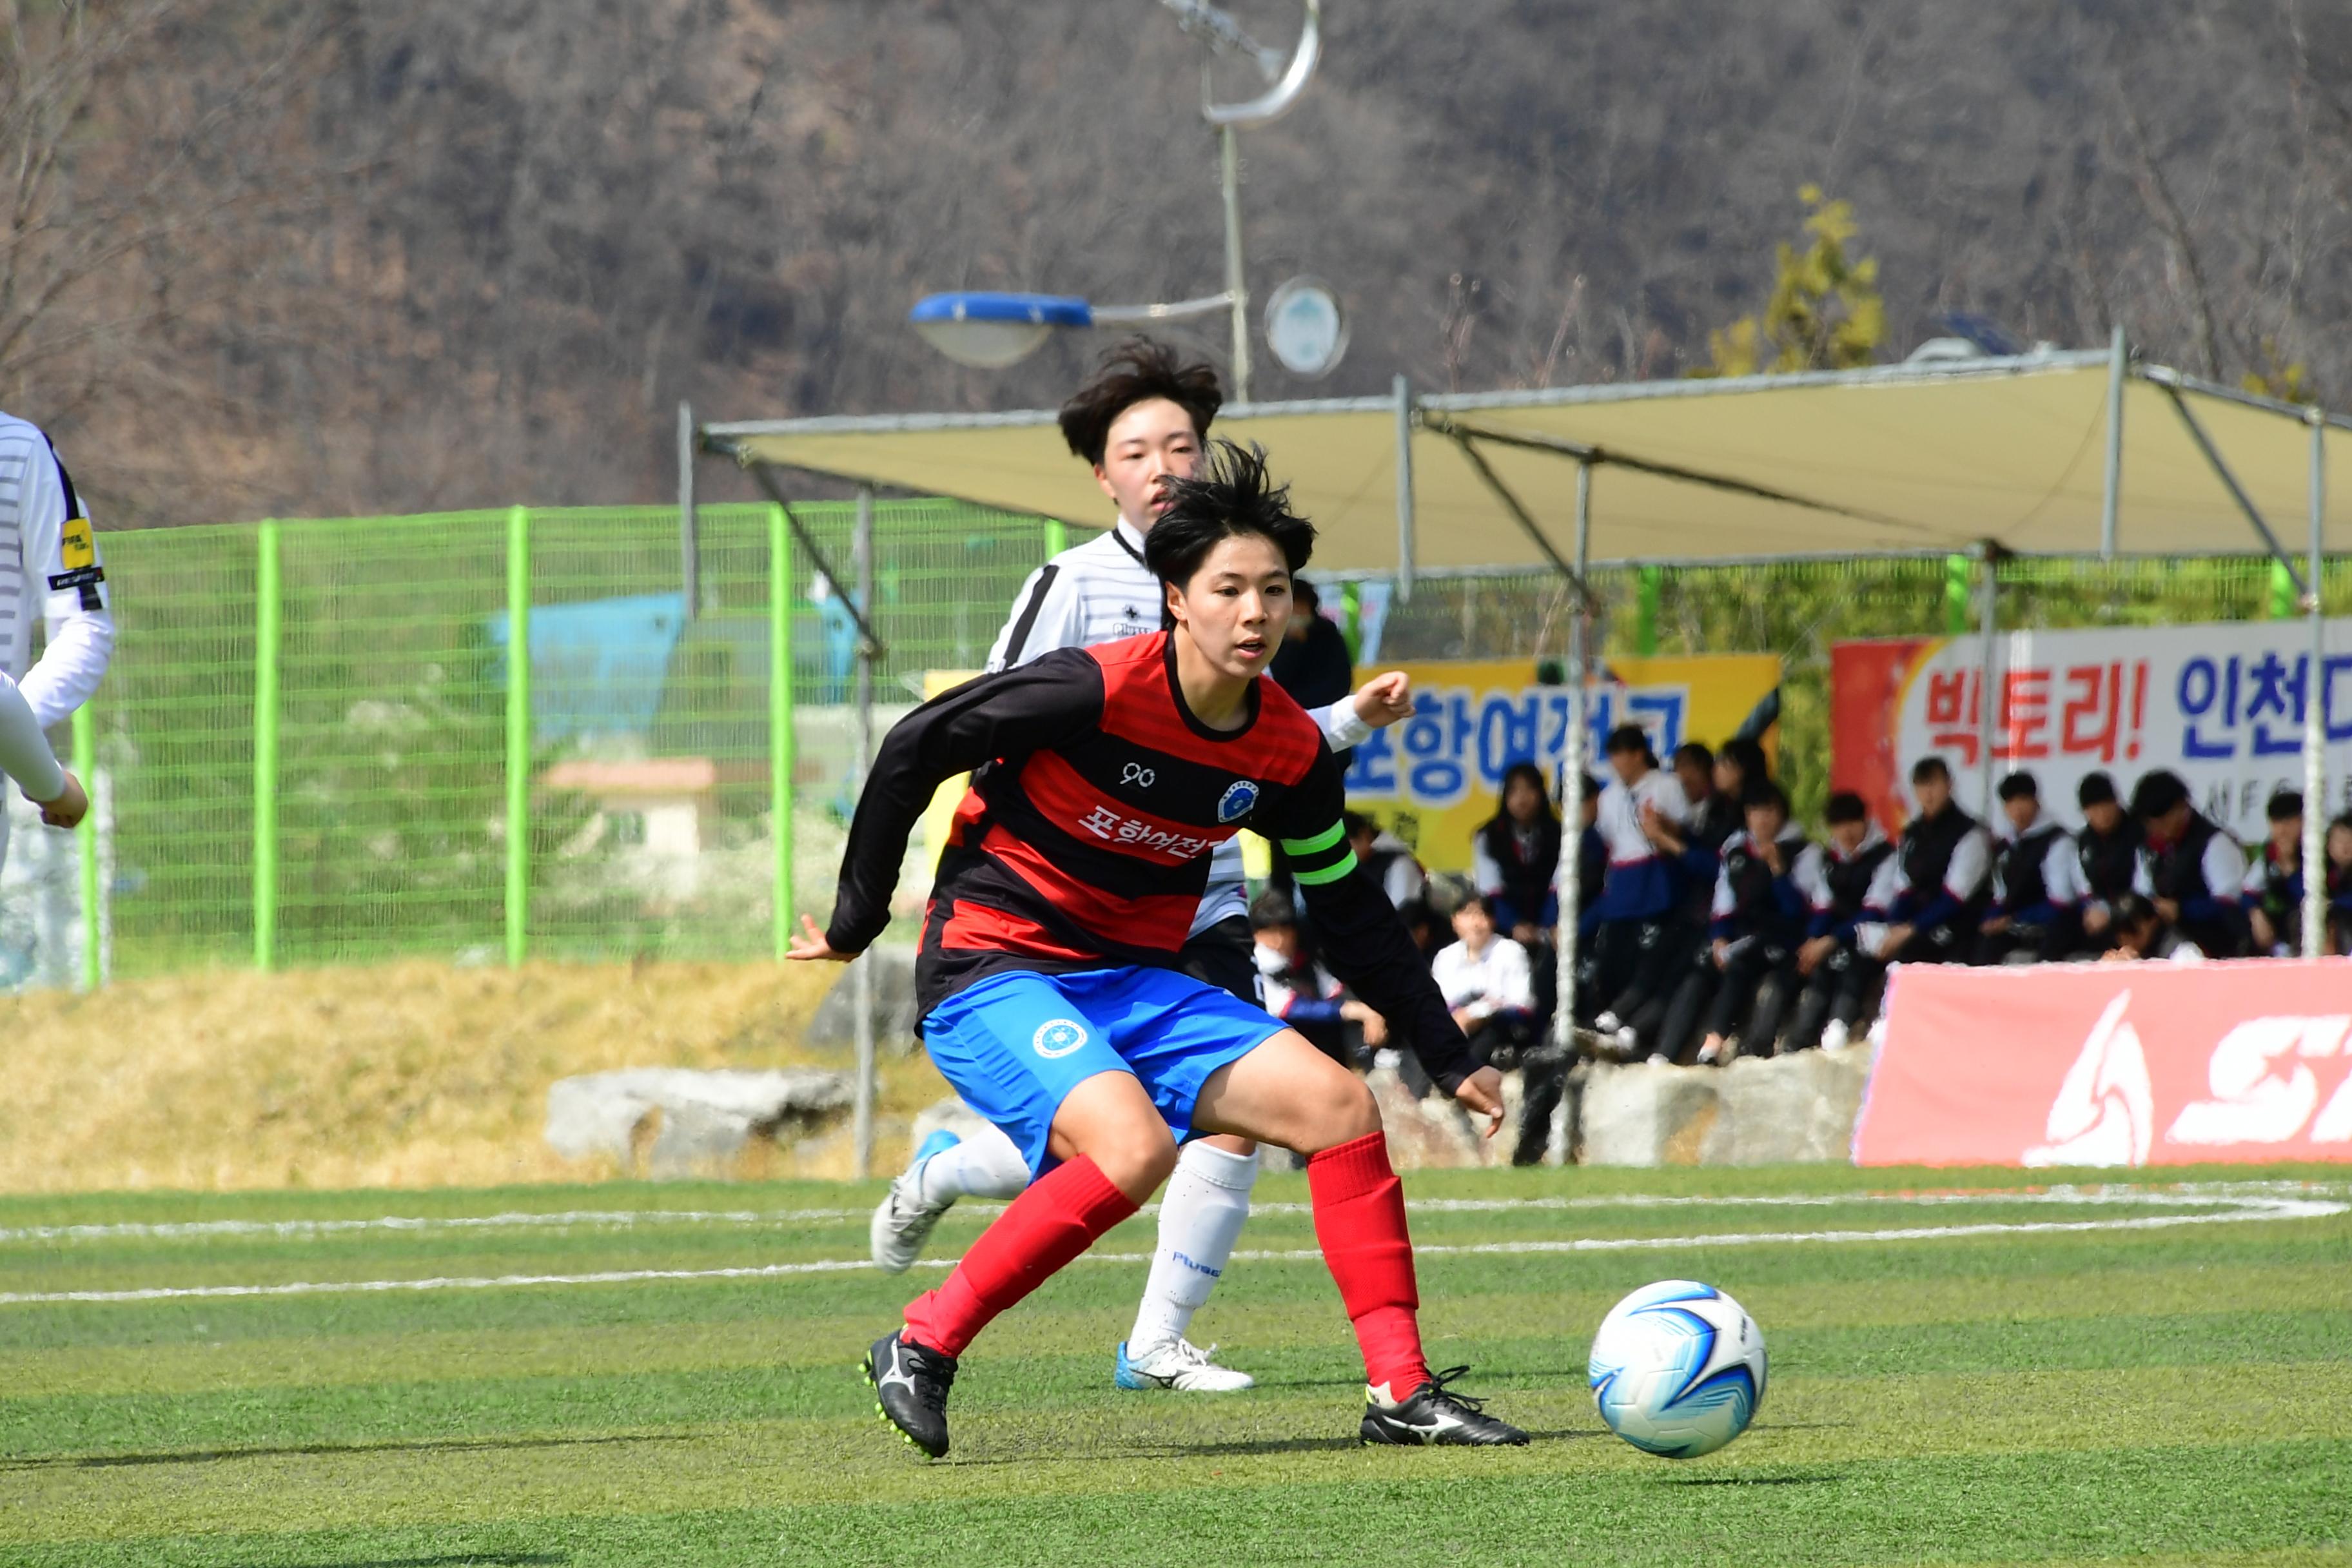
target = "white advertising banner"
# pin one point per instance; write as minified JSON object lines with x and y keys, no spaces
{"x":2223,"y":705}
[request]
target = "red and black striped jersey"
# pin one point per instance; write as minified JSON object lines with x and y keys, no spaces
{"x":1096,"y":800}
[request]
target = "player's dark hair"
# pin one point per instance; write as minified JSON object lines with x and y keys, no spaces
{"x":1845,"y":806}
{"x":2285,"y":805}
{"x":1928,"y":768}
{"x":2157,"y":794}
{"x":2020,"y":785}
{"x":1764,"y":792}
{"x":1136,"y":372}
{"x":1628,"y":738}
{"x":1228,"y":496}
{"x":2096,"y":789}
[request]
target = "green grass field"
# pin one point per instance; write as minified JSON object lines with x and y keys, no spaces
{"x":2123,"y":1389}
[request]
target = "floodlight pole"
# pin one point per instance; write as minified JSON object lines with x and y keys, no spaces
{"x":1569,"y":875}
{"x":2314,"y":692}
{"x":861,"y":550}
{"x":1229,"y":166}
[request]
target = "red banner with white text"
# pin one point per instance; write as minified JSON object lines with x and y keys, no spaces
{"x":2113,"y":1064}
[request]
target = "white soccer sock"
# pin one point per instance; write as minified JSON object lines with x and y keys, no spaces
{"x":1201,"y":1217}
{"x":985,"y":1165}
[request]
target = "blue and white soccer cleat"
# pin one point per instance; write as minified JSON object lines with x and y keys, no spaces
{"x":1179,"y":1364}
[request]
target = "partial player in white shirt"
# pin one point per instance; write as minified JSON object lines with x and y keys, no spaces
{"x":49,"y":568}
{"x":1141,"y":421}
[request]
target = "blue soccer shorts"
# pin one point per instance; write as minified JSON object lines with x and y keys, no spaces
{"x":1015,"y":1045}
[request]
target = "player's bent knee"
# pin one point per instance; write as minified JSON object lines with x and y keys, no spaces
{"x":1340,"y":1111}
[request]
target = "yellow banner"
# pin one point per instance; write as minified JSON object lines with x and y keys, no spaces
{"x":1434,"y":779}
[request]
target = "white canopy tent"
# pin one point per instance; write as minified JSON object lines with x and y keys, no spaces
{"x":2063,"y":454}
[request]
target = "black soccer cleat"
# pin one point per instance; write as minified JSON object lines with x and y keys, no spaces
{"x":1435,"y":1416}
{"x":910,"y":1390}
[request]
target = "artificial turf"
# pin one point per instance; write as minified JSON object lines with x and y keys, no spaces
{"x":2129,"y":1392}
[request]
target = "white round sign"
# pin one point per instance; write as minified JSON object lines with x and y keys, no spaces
{"x":1305,"y":328}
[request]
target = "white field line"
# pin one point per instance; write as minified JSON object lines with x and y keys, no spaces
{"x":611,"y":1219}
{"x":2221,"y":1211}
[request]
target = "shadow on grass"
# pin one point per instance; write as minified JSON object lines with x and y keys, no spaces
{"x":1801,"y":1481}
{"x":457,"y":1560}
{"x":450,"y":1445}
{"x":1232,"y":1450}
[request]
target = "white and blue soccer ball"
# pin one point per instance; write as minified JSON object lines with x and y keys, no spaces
{"x":1678,"y":1369}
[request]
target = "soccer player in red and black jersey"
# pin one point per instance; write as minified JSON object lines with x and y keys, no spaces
{"x":1103,"y":779}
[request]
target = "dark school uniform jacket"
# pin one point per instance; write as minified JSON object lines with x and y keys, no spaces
{"x":1084,"y":842}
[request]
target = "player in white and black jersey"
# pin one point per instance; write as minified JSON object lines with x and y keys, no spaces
{"x":1141,"y":420}
{"x":50,"y":567}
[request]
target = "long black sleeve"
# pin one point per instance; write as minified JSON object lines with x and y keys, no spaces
{"x":1010,"y":713}
{"x":1364,"y":942}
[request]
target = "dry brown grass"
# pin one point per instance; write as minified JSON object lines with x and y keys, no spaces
{"x":404,"y":1075}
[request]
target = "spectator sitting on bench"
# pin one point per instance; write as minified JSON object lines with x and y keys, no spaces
{"x":1303,"y":994}
{"x":1764,"y":895}
{"x":2190,"y":868}
{"x":2144,"y":935}
{"x":2037,"y":892}
{"x":2274,"y":881}
{"x":1487,"y":983}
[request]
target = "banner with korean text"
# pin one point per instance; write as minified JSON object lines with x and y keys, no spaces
{"x":2223,"y":705}
{"x":1433,"y":779}
{"x":2113,"y":1064}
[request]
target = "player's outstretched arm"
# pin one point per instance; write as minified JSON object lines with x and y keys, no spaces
{"x":1007,"y":715}
{"x":1367,"y":945}
{"x":1383,"y":700}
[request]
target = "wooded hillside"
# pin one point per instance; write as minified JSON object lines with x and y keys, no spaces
{"x":315,"y":258}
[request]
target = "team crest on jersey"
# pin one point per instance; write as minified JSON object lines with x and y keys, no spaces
{"x":1058,"y":1037}
{"x":1238,"y":801}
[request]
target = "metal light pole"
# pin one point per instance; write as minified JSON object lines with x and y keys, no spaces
{"x":1285,"y":82}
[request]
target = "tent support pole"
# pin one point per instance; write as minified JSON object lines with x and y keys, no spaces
{"x":765,"y":477}
{"x":1526,"y":521}
{"x":861,"y":550}
{"x":1989,"y":632}
{"x":2118,"y":367}
{"x":2315,"y":690}
{"x":1568,"y":876}
{"x":2278,"y":552}
{"x":689,"y":521}
{"x":1404,"y":490}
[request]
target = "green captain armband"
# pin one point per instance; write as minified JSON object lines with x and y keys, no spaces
{"x":1323,"y":857}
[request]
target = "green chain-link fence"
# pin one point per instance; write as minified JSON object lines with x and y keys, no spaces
{"x":309,"y":749}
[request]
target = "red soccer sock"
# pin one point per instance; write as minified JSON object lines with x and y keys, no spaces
{"x":1057,"y":1218}
{"x":1359,"y":1220}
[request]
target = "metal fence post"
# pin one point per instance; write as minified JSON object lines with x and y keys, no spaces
{"x":1959,"y":571}
{"x":2314,"y":736}
{"x":85,"y":761}
{"x":1645,"y":622}
{"x":267,"y":631}
{"x":862,"y":563}
{"x":780,"y":719}
{"x":518,"y":904}
{"x":1057,"y":537}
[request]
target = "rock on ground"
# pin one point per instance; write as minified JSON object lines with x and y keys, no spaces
{"x":677,"y":1122}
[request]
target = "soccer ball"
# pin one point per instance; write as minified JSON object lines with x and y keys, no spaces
{"x":1678,"y":1369}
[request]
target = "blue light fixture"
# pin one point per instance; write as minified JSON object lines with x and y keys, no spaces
{"x":991,"y":330}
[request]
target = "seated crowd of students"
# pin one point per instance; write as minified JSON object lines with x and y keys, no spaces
{"x":1710,"y":924}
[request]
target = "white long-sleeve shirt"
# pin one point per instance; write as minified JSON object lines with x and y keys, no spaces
{"x":1484,"y":983}
{"x":1101,"y":591}
{"x":49,"y":565}
{"x":25,"y":754}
